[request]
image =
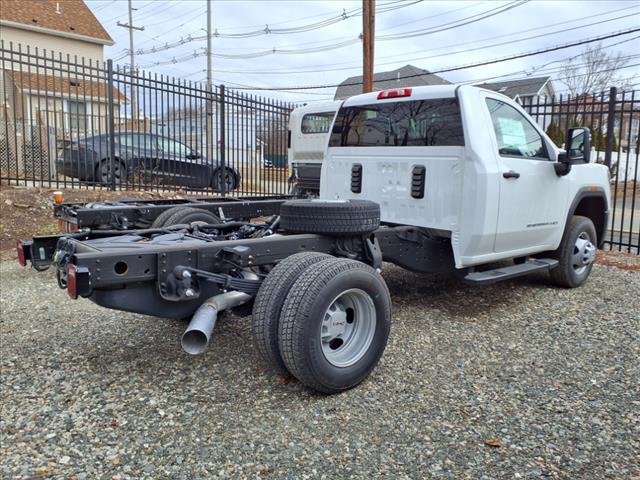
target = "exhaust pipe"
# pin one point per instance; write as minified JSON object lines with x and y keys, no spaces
{"x":197,"y":336}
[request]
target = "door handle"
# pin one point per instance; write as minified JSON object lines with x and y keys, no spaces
{"x":511,"y":174}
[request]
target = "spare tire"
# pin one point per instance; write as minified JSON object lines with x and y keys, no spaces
{"x":160,"y":219}
{"x":330,"y":217}
{"x":188,"y":215}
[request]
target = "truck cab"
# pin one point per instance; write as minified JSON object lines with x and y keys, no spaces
{"x":465,"y":164}
{"x":309,"y":128}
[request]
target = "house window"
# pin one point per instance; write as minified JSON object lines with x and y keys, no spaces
{"x":77,"y":115}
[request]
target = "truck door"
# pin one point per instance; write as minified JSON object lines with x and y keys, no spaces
{"x":532,"y":196}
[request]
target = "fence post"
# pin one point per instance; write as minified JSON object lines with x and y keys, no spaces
{"x":110,"y":126}
{"x":223,"y":139}
{"x":611,"y":114}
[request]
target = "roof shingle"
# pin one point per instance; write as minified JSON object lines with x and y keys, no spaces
{"x":75,"y":17}
{"x":71,"y":88}
{"x":522,"y":87}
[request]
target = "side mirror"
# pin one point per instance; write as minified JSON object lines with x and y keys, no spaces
{"x":578,"y":145}
{"x":193,"y":156}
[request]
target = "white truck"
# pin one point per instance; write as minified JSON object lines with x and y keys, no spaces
{"x":309,"y":129}
{"x":433,"y":179}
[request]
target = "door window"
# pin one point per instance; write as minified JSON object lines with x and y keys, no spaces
{"x":140,"y":143}
{"x":515,"y":135}
{"x":173,"y":148}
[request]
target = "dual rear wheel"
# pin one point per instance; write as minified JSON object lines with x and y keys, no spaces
{"x":325,"y":320}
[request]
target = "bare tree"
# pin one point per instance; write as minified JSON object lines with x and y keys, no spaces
{"x":593,"y":71}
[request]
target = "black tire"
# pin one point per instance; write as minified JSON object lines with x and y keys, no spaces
{"x":103,"y":172}
{"x":268,"y":305}
{"x":338,"y":218}
{"x":187,"y":215}
{"x":567,"y":274}
{"x":162,"y":218}
{"x":302,"y":322}
{"x":224,"y":180}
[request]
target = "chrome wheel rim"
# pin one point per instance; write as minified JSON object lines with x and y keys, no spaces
{"x":348,"y":327}
{"x":584,"y":253}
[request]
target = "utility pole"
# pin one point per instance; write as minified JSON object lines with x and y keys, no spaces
{"x":209,"y":134}
{"x":133,"y":70}
{"x":209,"y":42}
{"x":368,"y":42}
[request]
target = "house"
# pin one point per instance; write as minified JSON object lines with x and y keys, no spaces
{"x":407,"y":76}
{"x":65,"y":27}
{"x":526,"y":91}
{"x":593,"y":112}
{"x":51,"y":79}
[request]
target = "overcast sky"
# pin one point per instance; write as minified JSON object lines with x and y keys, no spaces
{"x":553,"y":22}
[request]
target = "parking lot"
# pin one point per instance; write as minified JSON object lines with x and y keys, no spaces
{"x":516,"y":380}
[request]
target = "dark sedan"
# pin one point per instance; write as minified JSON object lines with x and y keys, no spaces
{"x":143,"y":157}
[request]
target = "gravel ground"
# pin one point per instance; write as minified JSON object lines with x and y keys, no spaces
{"x":516,"y":380}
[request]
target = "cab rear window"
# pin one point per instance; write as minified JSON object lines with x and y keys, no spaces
{"x":418,"y":123}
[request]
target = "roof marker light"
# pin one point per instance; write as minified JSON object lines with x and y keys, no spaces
{"x":394,"y":93}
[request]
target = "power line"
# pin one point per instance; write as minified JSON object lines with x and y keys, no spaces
{"x":478,"y":64}
{"x":326,"y":67}
{"x":447,"y":12}
{"x":200,"y":52}
{"x":275,"y":31}
{"x":475,"y":82}
{"x":280,"y":72}
{"x":456,"y":23}
{"x":102,"y":7}
{"x":125,"y":14}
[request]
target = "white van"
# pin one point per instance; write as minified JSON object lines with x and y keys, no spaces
{"x":308,"y":135}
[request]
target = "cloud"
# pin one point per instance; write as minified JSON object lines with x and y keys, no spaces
{"x":170,"y":20}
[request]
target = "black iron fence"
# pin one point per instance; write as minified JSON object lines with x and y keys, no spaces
{"x":614,"y":120}
{"x":81,"y":123}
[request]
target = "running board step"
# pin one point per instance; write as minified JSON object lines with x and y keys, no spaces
{"x":511,"y":271}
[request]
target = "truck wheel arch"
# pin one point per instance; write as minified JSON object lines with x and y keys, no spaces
{"x":591,"y":202}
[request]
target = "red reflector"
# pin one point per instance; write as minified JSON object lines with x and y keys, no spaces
{"x":72,"y":281}
{"x":22,"y":258}
{"x":394,"y":93}
{"x":72,"y":227}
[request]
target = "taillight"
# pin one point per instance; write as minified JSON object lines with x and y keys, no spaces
{"x":72,"y":281}
{"x":22,"y":257}
{"x":394,"y":93}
